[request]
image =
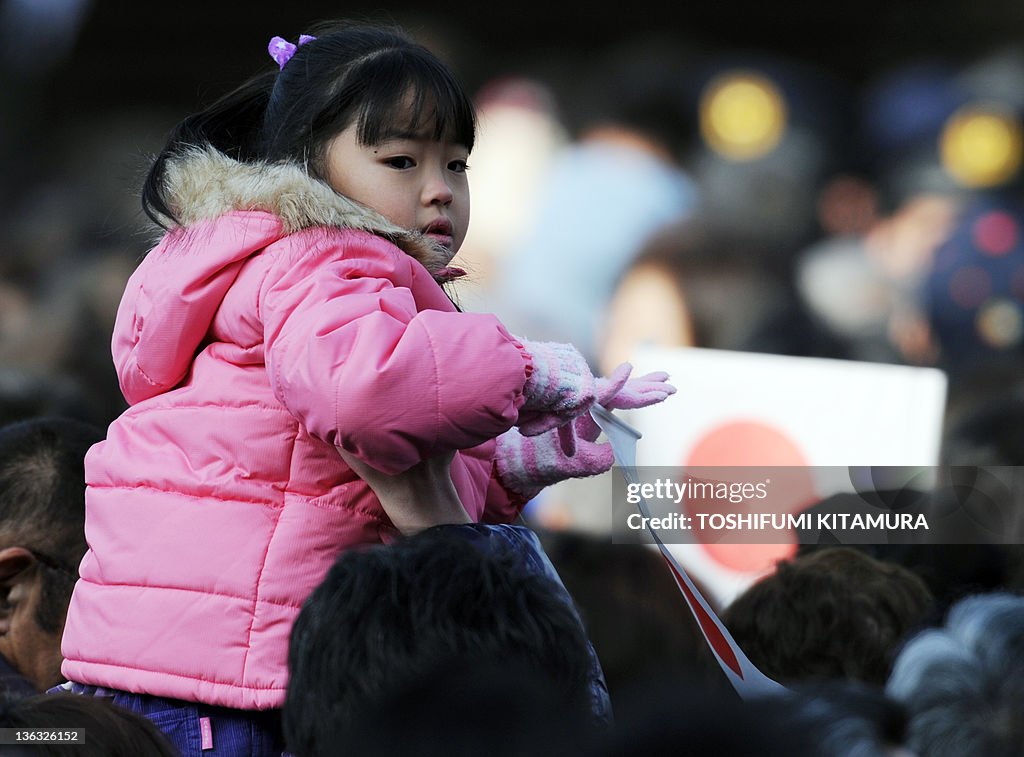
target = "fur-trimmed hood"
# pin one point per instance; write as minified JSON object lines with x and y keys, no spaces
{"x":203,"y":183}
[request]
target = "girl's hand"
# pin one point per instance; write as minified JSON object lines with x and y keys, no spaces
{"x":560,"y":387}
{"x":421,"y":497}
{"x":526,"y":464}
{"x":620,"y":392}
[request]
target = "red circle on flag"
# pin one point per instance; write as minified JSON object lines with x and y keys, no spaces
{"x":754,"y":443}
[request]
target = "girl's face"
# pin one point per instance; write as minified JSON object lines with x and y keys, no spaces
{"x":413,"y":181}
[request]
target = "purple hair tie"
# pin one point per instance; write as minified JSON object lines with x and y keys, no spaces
{"x":281,"y":50}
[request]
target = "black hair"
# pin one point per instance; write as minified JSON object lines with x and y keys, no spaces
{"x":673,"y":715}
{"x":515,"y":714}
{"x":834,"y":613}
{"x":373,"y":76}
{"x":110,"y":731}
{"x":385,"y":616}
{"x":42,"y":503}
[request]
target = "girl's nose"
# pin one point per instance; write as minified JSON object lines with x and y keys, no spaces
{"x":436,"y":190}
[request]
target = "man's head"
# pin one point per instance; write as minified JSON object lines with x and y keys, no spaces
{"x":389,"y":617}
{"x":962,"y":682}
{"x":42,"y":538}
{"x":833,"y":613}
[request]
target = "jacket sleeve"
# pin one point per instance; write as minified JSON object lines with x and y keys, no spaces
{"x":354,"y":360}
{"x":502,"y":505}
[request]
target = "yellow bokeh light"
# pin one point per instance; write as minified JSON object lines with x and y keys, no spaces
{"x":981,"y":146}
{"x":1000,"y":324}
{"x":742,"y":115}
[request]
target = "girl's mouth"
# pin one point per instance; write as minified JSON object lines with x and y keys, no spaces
{"x":441,"y":232}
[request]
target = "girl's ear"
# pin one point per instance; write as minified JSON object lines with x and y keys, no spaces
{"x":13,"y":563}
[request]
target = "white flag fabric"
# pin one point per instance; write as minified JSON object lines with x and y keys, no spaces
{"x":746,"y":679}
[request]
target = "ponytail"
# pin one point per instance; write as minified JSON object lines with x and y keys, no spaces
{"x":231,"y":125}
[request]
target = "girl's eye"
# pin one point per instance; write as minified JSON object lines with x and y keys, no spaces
{"x":458,"y":166}
{"x":401,"y":162}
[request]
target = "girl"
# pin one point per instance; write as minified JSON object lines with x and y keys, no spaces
{"x":292,"y":310}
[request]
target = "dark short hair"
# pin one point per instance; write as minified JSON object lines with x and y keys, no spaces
{"x":374,"y":76}
{"x":833,"y":613}
{"x":42,"y":502}
{"x":387,"y":615}
{"x":676,"y":715}
{"x":110,"y":731}
{"x":514,"y":713}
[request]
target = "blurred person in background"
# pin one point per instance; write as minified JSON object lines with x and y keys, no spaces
{"x":70,"y":243}
{"x":693,"y":285}
{"x":639,"y":623}
{"x":962,"y":683}
{"x":105,"y":729}
{"x":972,"y":296}
{"x":617,"y":180}
{"x":69,"y":214}
{"x":689,"y":285}
{"x":938,"y":140}
{"x":772,"y":132}
{"x":862,"y":283}
{"x":835,"y":613}
{"x":42,"y":541}
{"x":845,"y":718}
{"x":520,"y":132}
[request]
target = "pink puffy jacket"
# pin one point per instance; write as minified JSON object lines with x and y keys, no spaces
{"x":248,"y":343}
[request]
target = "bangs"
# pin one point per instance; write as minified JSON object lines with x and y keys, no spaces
{"x":409,"y":94}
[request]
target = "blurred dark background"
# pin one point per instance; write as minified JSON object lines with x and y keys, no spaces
{"x":90,"y":89}
{"x":69,"y":63}
{"x":121,"y":54}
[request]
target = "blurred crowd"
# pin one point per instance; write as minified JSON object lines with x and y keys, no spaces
{"x":748,"y":202}
{"x":753,"y":202}
{"x":658,"y":195}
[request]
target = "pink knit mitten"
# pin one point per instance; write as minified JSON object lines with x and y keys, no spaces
{"x":526,"y":464}
{"x":559,"y":388}
{"x":619,"y":392}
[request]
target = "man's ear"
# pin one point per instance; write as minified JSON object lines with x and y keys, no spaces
{"x":13,"y":563}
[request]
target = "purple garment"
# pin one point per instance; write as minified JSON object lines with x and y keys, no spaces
{"x":199,"y":730}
